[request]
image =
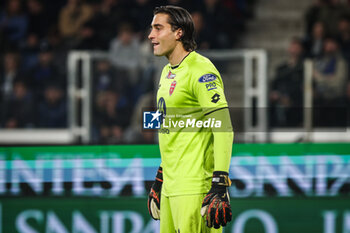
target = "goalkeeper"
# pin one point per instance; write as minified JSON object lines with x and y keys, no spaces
{"x":189,"y":194}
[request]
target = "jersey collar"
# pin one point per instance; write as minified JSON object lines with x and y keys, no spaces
{"x":176,"y":66}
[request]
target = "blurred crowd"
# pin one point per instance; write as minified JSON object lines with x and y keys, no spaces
{"x":36,"y":36}
{"x":327,"y":43}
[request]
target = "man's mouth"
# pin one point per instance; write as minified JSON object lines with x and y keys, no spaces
{"x":155,"y":44}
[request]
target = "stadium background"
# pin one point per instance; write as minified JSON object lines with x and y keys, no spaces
{"x":75,"y":77}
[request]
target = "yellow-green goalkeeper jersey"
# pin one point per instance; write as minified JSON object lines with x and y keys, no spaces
{"x":193,"y":89}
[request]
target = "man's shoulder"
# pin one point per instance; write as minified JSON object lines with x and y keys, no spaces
{"x":200,"y":64}
{"x":199,"y":60}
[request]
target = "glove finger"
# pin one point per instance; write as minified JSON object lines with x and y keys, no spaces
{"x":155,"y":196}
{"x":225,"y":214}
{"x":214,"y":213}
{"x":207,"y":199}
{"x":211,"y":214}
{"x":155,"y":212}
{"x":217,"y":220}
{"x":228,"y":213}
{"x":208,"y":220}
{"x":220,"y":216}
{"x":149,"y":206}
{"x":204,"y":210}
{"x":157,"y":203}
{"x":228,"y":197}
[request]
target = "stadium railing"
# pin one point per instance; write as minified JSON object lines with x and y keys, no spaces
{"x":252,"y":75}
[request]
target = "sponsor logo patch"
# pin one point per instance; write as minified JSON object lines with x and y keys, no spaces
{"x":172,"y":87}
{"x":210,"y":86}
{"x":207,"y":78}
{"x":170,"y":75}
{"x":215,"y":98}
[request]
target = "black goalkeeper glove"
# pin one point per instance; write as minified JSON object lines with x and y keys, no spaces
{"x":154,"y":196}
{"x":216,"y":205}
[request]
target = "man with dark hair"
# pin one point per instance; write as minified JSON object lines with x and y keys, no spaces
{"x":192,"y":179}
{"x":330,"y":77}
{"x":286,"y":90}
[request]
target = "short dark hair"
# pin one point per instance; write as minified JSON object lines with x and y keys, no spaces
{"x":180,"y":18}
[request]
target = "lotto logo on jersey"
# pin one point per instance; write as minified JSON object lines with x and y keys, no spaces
{"x":152,"y":120}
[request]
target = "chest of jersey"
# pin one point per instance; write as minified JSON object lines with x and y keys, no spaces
{"x":175,"y":90}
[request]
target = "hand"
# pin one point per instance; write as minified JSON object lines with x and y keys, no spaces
{"x":216,"y":205}
{"x":154,"y":196}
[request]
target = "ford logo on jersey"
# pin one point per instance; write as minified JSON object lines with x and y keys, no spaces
{"x":207,"y":78}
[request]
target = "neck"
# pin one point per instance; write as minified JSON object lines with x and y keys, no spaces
{"x":177,"y":55}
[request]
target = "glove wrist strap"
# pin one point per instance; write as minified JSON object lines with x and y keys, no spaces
{"x":220,"y":180}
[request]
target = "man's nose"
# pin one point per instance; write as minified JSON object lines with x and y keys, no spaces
{"x":150,"y":35}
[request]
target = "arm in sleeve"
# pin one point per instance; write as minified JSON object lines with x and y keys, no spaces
{"x":334,"y":82}
{"x":223,"y":140}
{"x":211,"y":97}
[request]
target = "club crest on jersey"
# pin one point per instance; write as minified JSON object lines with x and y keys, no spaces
{"x":207,"y":78}
{"x":170,"y":75}
{"x":172,"y":87}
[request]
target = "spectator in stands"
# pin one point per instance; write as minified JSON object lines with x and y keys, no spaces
{"x":56,"y":42}
{"x":53,"y":10}
{"x":72,"y":18}
{"x":98,"y":31}
{"x":111,"y":116}
{"x":203,"y":37}
{"x":38,"y":24}
{"x":111,"y":13}
{"x":287,"y":89}
{"x":29,"y":51}
{"x":239,"y":10}
{"x":344,"y":37}
{"x":38,"y":27}
{"x":13,"y":24}
{"x":347,"y":103}
{"x":107,"y":77}
{"x":330,"y":76}
{"x":88,"y":35}
{"x":44,"y":72}
{"x":9,"y":74}
{"x":313,"y":44}
{"x":52,"y":110}
{"x":134,"y":133}
{"x":142,"y":14}
{"x":20,"y":107}
{"x":124,"y":52}
{"x":312,"y":15}
{"x":148,"y":69}
{"x":330,"y":13}
{"x":217,"y":19}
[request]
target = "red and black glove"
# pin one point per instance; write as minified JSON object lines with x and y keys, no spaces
{"x":154,"y":196}
{"x":216,"y":205}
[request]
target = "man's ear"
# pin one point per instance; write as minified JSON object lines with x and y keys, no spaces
{"x":179,"y":34}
